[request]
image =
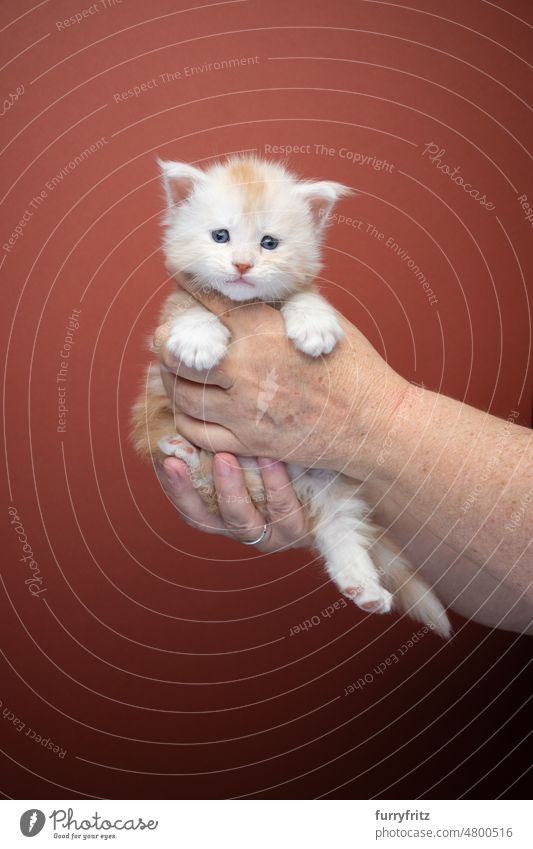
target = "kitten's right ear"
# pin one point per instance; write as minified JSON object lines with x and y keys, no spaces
{"x":179,"y":180}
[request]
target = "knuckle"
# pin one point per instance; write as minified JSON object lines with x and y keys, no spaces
{"x":167,"y":359}
{"x":235,"y":515}
{"x":282,"y":504}
{"x":184,"y":401}
{"x":168,"y":381}
{"x":238,"y":528}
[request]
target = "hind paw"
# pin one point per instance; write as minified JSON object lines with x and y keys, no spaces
{"x":372,"y":598}
{"x":177,"y":446}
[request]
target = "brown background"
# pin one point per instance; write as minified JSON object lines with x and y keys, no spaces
{"x":159,"y":658}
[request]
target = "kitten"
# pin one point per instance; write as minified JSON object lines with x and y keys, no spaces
{"x":250,"y":230}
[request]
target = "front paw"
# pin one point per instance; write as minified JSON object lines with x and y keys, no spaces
{"x":314,"y":334}
{"x":199,"y":343}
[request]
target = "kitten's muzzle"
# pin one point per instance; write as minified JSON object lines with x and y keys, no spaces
{"x":242,"y":267}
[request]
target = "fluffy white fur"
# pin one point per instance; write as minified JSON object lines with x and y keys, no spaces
{"x":251,"y":199}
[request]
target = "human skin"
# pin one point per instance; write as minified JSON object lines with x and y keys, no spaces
{"x":453,"y":485}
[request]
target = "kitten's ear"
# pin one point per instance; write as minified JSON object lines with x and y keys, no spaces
{"x":321,"y":198}
{"x":179,"y":180}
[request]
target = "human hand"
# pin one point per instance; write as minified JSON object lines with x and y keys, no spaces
{"x":238,"y":517}
{"x":265,"y":398}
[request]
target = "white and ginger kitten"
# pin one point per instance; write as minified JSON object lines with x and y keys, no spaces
{"x":251,"y":231}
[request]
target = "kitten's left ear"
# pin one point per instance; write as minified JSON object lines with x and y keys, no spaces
{"x":321,"y":198}
{"x":179,"y":181}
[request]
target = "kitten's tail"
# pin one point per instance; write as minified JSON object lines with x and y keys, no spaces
{"x":410,"y":592}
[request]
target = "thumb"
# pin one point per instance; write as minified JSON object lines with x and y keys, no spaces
{"x":248,"y":313}
{"x":204,"y":294}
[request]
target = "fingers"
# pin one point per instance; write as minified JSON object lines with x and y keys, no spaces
{"x":175,"y":479}
{"x":286,"y":515}
{"x":212,"y":437}
{"x":239,"y":514}
{"x":208,"y":403}
{"x":239,"y":518}
{"x":230,"y":312}
{"x":283,"y":505}
{"x":210,"y":298}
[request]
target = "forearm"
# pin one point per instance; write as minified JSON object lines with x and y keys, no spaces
{"x":465,"y":475}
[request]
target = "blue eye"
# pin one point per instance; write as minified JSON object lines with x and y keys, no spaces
{"x":220,"y":236}
{"x":269,"y":243}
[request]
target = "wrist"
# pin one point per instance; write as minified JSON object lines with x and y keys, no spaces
{"x":375,"y":425}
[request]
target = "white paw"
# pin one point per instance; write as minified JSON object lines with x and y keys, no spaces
{"x":368,"y":595}
{"x":313,"y":333}
{"x":199,"y":341}
{"x":174,"y":445}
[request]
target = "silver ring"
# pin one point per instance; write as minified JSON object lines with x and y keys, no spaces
{"x":259,"y":539}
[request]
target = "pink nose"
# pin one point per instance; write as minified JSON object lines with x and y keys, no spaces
{"x":242,"y":267}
